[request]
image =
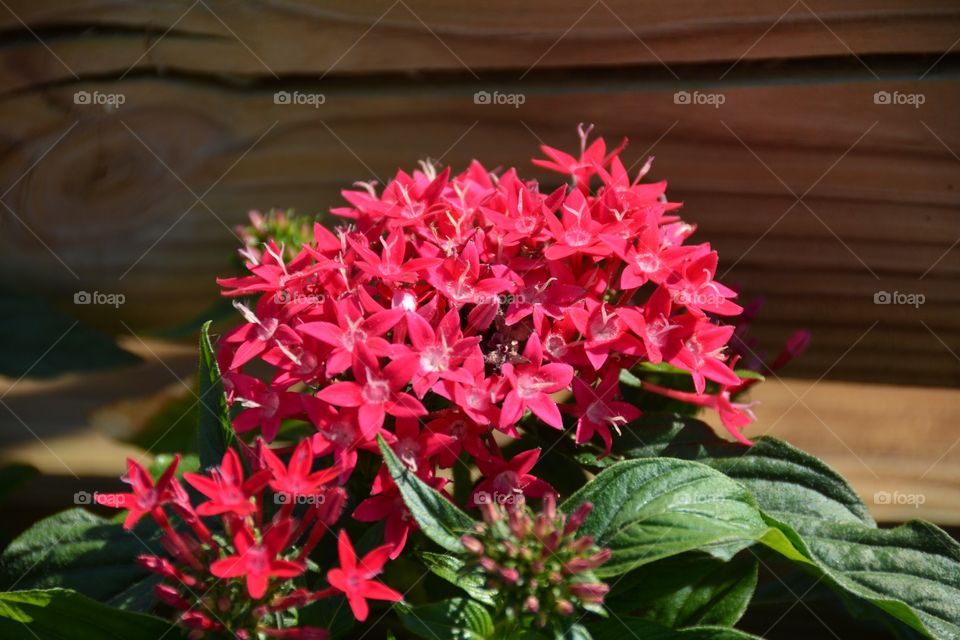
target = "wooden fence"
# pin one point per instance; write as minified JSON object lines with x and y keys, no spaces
{"x":815,"y":143}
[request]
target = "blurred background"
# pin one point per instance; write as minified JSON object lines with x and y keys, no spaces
{"x":815,"y":144}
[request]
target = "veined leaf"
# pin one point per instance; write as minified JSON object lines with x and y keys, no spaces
{"x":77,"y":550}
{"x":453,"y":619}
{"x":645,"y":510}
{"x":62,"y":614}
{"x":911,"y":572}
{"x":439,"y":520}
{"x":688,"y":590}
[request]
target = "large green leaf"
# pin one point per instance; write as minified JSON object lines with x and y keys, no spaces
{"x":687,"y":590}
{"x":645,"y":510}
{"x":215,"y":429}
{"x":439,"y":520}
{"x":783,"y":479}
{"x":911,"y":572}
{"x":453,"y":619}
{"x":40,"y":341}
{"x":77,"y":550}
{"x":621,"y":628}
{"x":62,"y":614}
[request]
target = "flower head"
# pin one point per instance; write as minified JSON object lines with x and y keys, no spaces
{"x":355,"y":576}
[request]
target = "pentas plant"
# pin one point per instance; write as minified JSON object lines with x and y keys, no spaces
{"x":235,"y":565}
{"x":386,"y":436}
{"x":451,"y":312}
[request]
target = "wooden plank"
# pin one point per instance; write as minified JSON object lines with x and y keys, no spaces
{"x":98,"y":38}
{"x":889,"y":442}
{"x":883,"y":438}
{"x":115,"y":198}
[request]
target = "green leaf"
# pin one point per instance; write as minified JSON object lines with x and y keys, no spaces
{"x":216,"y":431}
{"x":645,"y":510}
{"x":784,"y":480}
{"x":451,"y":569}
{"x":627,"y":627}
{"x":62,"y":614}
{"x":688,"y":590}
{"x":453,"y":619}
{"x":911,"y":572}
{"x":439,"y":520}
{"x":77,"y":550}
{"x":41,"y":341}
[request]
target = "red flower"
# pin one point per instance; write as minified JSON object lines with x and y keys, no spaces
{"x":599,"y":411}
{"x":146,"y":497}
{"x":354,"y":577}
{"x":227,"y":490}
{"x":507,"y":481}
{"x":439,"y":353}
{"x":531,"y":384}
{"x":388,"y":505}
{"x":376,"y":392}
{"x":351,"y":330}
{"x":257,"y":561}
{"x":296,"y":480}
{"x":702,"y":351}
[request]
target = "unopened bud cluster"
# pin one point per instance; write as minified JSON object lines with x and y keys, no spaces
{"x":535,"y":562}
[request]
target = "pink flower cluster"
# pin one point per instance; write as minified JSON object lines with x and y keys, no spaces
{"x":448,"y":308}
{"x":234,"y":563}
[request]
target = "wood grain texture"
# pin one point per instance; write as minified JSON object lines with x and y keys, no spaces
{"x":272,"y":38}
{"x":113,"y":193}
